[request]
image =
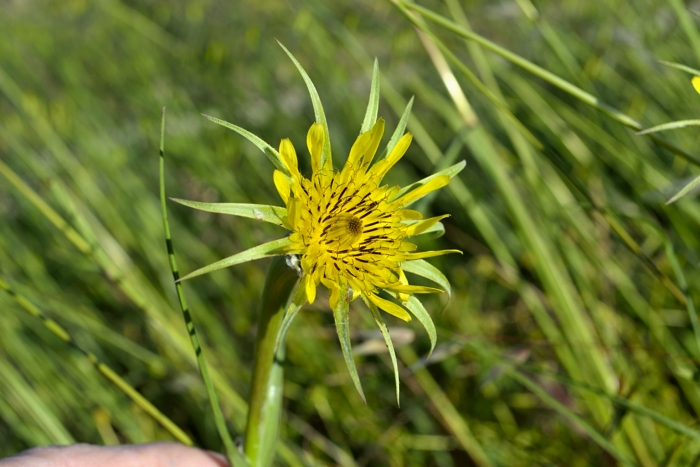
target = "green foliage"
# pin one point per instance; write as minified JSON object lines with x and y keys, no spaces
{"x":568,"y":338}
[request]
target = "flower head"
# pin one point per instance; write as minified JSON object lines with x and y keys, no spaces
{"x":347,"y":227}
{"x":348,"y":232}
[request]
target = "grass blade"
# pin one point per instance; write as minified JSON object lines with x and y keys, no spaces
{"x":104,"y":370}
{"x":570,"y":415}
{"x":548,"y":76}
{"x":685,"y":190}
{"x":452,"y":418}
{"x":678,"y":66}
{"x":669,"y":126}
{"x":234,"y":457}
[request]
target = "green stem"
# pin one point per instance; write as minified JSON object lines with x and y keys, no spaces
{"x":265,"y":401}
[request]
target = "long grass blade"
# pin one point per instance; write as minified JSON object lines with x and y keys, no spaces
{"x":669,"y":126}
{"x":685,"y":190}
{"x":570,"y":415}
{"x":234,"y":456}
{"x":103,"y":368}
{"x":548,"y":76}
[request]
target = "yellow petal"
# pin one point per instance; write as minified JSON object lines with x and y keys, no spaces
{"x":293,"y":213}
{"x":413,"y":196}
{"x":407,"y":246}
{"x":334,"y":288}
{"x":282,"y":184}
{"x":299,"y":296}
{"x":289,"y":157}
{"x":420,"y":227}
{"x":409,"y":215}
{"x":402,"y":297}
{"x":359,"y":147}
{"x":310,"y":287}
{"x":427,"y":254}
{"x":394,"y":156}
{"x":390,"y":307}
{"x":314,"y":141}
{"x":696,"y":83}
{"x":411,"y":289}
{"x":376,"y":133}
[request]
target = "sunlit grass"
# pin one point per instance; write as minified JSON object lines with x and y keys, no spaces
{"x":569,"y":337}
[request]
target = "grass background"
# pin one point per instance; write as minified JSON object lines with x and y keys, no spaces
{"x":569,"y":339}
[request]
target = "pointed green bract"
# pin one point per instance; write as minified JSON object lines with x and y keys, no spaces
{"x":669,"y":126}
{"x":273,"y":248}
{"x":373,"y":104}
{"x":423,"y":268}
{"x":261,"y":212}
{"x":389,"y":344}
{"x":269,"y":151}
{"x":318,"y":109}
{"x":418,"y":310}
{"x":289,"y":315}
{"x":451,"y":172}
{"x":341,"y":313}
{"x":398,"y":133}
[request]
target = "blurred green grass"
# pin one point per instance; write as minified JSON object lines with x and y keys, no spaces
{"x":571,"y":267}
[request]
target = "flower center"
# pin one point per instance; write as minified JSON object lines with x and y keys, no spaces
{"x":343,"y":231}
{"x":354,"y":226}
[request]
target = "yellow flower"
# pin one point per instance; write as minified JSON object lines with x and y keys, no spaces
{"x":696,"y":83}
{"x":347,"y":228}
{"x":348,"y":232}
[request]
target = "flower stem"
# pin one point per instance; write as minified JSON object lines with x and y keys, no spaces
{"x":265,"y":401}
